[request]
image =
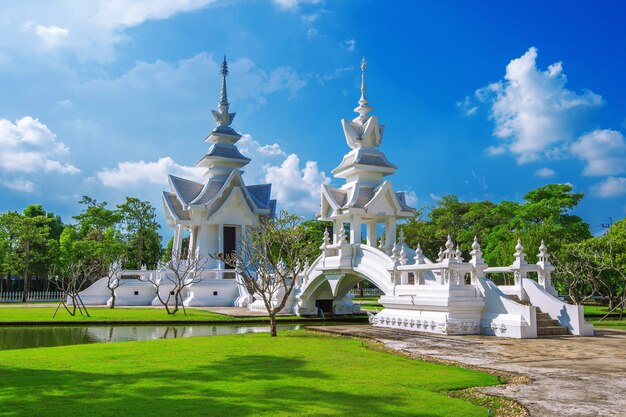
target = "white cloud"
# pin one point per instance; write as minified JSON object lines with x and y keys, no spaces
{"x":435,"y":197}
{"x":296,"y":189}
{"x":51,"y":36}
{"x":91,"y":29}
{"x":28,"y":146}
{"x":534,"y":113}
{"x":611,"y":187}
{"x":311,"y":33}
{"x":250,"y":147}
{"x":286,"y":4}
{"x":134,"y":174}
{"x":545,"y":173}
{"x":293,"y":4}
{"x":350,"y":44}
{"x":18,"y":184}
{"x":411,"y":198}
{"x":603,"y":150}
{"x":187,"y":76}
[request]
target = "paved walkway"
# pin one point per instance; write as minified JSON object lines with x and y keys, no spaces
{"x":571,"y":376}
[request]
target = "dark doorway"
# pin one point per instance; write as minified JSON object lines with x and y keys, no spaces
{"x":230,"y":242}
{"x":325,"y":305}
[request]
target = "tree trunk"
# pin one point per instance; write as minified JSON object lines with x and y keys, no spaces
{"x":112,"y":298}
{"x":26,"y":280}
{"x":273,"y":324}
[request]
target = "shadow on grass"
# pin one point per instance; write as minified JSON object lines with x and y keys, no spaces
{"x":232,"y":386}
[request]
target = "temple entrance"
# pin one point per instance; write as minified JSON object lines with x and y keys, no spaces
{"x":230,"y":242}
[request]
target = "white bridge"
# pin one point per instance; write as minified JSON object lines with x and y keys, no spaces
{"x":449,"y":296}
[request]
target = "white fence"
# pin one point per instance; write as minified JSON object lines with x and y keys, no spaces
{"x":16,"y":296}
{"x":367,"y":292}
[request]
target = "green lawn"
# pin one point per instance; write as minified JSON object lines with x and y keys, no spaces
{"x":296,"y":374}
{"x":595,"y":313}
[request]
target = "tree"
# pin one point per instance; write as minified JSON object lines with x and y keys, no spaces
{"x":71,"y":280}
{"x":95,"y":219}
{"x":173,"y":277}
{"x":114,"y":279}
{"x":27,"y":238}
{"x":138,"y":219}
{"x":271,"y":255}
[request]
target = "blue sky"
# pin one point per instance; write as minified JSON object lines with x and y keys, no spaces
{"x":485,"y":100}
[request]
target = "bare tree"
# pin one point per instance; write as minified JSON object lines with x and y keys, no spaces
{"x":71,"y":280}
{"x":173,"y":277}
{"x":114,"y":280}
{"x":270,"y":257}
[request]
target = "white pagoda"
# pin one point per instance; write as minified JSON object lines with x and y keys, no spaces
{"x":364,"y":199}
{"x":216,"y":212}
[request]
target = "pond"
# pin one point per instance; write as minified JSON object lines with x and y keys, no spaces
{"x":23,"y":337}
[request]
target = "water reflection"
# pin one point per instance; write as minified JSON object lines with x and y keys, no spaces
{"x":45,"y":336}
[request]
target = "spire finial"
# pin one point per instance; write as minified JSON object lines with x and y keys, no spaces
{"x":363,"y":68}
{"x":364,"y":108}
{"x":223,"y":103}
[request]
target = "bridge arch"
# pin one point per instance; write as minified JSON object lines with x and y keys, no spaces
{"x":331,"y":277}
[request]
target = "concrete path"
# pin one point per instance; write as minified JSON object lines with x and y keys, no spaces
{"x":571,"y":376}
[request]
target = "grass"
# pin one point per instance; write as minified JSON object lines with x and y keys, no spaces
{"x":296,"y":374}
{"x":593,"y":313}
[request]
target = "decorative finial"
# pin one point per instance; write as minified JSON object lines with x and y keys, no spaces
{"x":363,"y":68}
{"x":476,"y":245}
{"x":519,"y":248}
{"x":401,"y":237}
{"x":364,"y":108}
{"x":543,"y":252}
{"x":223,"y":103}
{"x":419,"y":257}
{"x":458,"y":254}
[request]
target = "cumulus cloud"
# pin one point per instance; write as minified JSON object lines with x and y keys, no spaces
{"x":18,"y":184}
{"x":134,"y":174}
{"x":91,"y":29}
{"x":29,"y":146}
{"x":411,"y":198}
{"x":51,"y":36}
{"x":533,"y":111}
{"x":604,"y":152}
{"x":611,"y":187}
{"x":545,"y":173}
{"x":295,"y":188}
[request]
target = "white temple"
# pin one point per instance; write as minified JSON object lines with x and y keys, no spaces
{"x":445,"y":296}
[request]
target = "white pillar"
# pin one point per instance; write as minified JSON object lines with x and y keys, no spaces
{"x":390,"y":233}
{"x":193,"y":236}
{"x":371,"y":234}
{"x":337,"y":225}
{"x":178,"y":240}
{"x":355,"y":231}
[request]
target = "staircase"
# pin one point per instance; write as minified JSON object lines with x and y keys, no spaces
{"x":546,"y":326}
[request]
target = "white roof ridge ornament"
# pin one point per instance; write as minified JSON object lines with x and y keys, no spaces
{"x":364,"y":108}
{"x":223,"y":117}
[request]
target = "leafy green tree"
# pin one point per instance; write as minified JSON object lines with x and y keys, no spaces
{"x":138,"y":221}
{"x":27,"y":238}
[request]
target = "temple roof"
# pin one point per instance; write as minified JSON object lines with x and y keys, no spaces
{"x":174,"y":206}
{"x":360,"y":196}
{"x":186,"y":190}
{"x":368,"y":158}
